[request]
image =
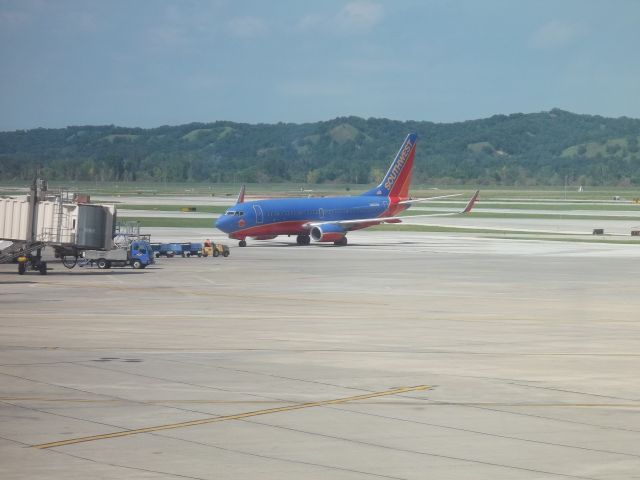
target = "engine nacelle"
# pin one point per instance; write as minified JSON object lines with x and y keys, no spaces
{"x":328,"y":233}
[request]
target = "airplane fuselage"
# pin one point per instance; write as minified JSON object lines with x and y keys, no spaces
{"x":291,"y":216}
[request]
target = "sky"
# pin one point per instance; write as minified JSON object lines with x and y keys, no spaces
{"x":150,"y":63}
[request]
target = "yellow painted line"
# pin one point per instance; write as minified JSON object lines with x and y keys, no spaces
{"x":238,"y":416}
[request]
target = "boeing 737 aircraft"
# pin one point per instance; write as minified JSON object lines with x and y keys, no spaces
{"x":330,"y":219}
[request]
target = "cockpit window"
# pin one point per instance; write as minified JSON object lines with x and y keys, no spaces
{"x":231,"y":212}
{"x":238,"y":213}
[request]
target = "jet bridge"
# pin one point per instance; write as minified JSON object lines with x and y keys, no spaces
{"x":43,"y":218}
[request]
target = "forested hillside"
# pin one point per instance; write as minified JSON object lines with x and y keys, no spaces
{"x":519,"y":149}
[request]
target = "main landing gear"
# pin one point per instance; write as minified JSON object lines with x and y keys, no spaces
{"x":242,"y":243}
{"x":342,"y":242}
{"x":303,"y":239}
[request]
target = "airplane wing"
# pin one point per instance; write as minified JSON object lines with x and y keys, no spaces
{"x":426,"y":199}
{"x":368,"y":222}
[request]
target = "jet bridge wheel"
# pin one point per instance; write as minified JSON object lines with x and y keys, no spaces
{"x":102,"y":264}
{"x":69,"y":261}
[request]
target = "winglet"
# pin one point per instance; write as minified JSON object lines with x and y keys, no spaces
{"x":471,"y":202}
{"x":241,"y":195}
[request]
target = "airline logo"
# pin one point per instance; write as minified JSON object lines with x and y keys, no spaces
{"x":397,"y":167}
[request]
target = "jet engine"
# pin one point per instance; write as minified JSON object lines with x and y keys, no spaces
{"x":329,"y":232}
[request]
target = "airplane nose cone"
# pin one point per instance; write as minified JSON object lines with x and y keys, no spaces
{"x":221,"y":223}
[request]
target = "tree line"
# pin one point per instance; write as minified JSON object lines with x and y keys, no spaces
{"x":546,"y":148}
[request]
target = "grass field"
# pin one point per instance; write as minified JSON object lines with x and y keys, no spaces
{"x":148,"y":189}
{"x":172,"y":222}
{"x":173,"y":208}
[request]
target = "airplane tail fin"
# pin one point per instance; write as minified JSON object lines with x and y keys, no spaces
{"x":241,"y":195}
{"x":471,"y":202}
{"x":398,"y":178}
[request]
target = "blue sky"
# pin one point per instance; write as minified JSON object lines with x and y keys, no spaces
{"x":151,"y":63}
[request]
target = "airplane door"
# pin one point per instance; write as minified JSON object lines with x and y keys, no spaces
{"x":259,"y":215}
{"x":321,"y":212}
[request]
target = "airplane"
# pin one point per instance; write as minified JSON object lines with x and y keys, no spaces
{"x":329,"y":219}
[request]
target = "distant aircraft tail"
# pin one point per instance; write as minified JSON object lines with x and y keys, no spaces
{"x":241,"y":195}
{"x":398,"y":178}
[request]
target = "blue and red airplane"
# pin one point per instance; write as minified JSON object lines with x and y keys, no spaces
{"x":329,"y":219}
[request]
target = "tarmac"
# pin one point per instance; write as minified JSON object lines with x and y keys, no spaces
{"x":402,"y":356}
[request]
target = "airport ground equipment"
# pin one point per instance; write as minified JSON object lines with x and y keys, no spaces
{"x":137,"y":254}
{"x":215,"y":250}
{"x":54,"y":219}
{"x":190,"y":249}
{"x":168,"y":250}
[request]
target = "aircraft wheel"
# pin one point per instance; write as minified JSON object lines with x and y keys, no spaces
{"x":242,"y":243}
{"x":342,"y":242}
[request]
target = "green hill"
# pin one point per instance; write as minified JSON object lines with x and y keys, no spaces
{"x":518,"y":149}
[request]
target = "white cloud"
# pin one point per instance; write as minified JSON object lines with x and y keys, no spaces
{"x":556,"y":33}
{"x":247,"y":27}
{"x":359,"y":16}
{"x":354,"y":17}
{"x":182,"y":27}
{"x":312,"y":21}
